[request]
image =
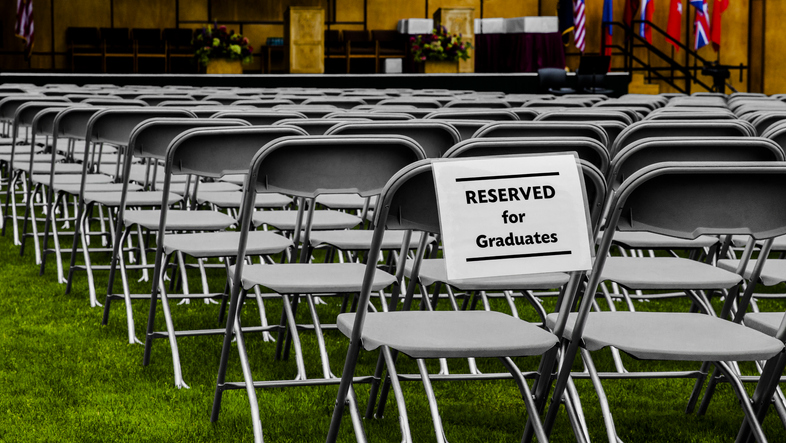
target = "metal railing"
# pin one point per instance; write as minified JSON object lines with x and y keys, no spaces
{"x":670,"y":71}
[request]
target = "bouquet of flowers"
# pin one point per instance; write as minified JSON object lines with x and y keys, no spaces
{"x":214,"y":42}
{"x":439,"y":45}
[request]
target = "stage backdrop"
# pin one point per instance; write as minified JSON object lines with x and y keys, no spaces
{"x":750,"y":31}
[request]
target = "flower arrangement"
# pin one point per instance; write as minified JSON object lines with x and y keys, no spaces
{"x":439,"y":45}
{"x":214,"y":42}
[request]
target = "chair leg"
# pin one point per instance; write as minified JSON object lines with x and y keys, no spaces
{"x":151,"y":317}
{"x":326,"y":373}
{"x":246,"y":367}
{"x":611,"y":431}
{"x":526,"y":395}
{"x":439,"y":431}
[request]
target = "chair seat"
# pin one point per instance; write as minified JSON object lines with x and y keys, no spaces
{"x":765,"y":322}
{"x":238,"y":179}
{"x":433,"y":270}
{"x":344,"y":201}
{"x":180,"y":188}
{"x":312,"y":278}
{"x":46,"y":168}
{"x":5,"y":147}
{"x":649,"y":240}
{"x":285,"y":220}
{"x":360,"y":240}
{"x":224,"y":244}
{"x":71,"y":179}
{"x":673,"y":336}
{"x":773,"y":273}
{"x":138,"y":174}
{"x":24,"y":158}
{"x":451,"y":334}
{"x":73,"y":188}
{"x":145,"y":198}
{"x":233,"y":199}
{"x":178,"y":220}
{"x":666,"y":273}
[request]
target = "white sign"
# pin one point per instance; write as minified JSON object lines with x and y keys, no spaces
{"x":512,"y":215}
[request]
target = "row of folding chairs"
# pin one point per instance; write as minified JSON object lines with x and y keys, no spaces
{"x":144,"y":147}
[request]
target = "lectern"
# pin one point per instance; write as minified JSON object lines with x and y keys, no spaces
{"x":304,"y":34}
{"x":459,"y":21}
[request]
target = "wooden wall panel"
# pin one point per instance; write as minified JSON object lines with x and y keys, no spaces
{"x":433,"y":5}
{"x":82,"y":13}
{"x":155,"y":14}
{"x":255,"y":10}
{"x":734,"y":40}
{"x":774,"y":61}
{"x":385,"y":14}
{"x":756,"y":48}
{"x":507,"y":9}
{"x":193,"y":10}
{"x":347,"y":10}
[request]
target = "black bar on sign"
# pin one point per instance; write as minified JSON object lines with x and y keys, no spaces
{"x":505,"y":257}
{"x":502,"y":177}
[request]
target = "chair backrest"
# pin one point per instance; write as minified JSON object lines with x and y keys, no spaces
{"x":370,"y":115}
{"x":314,"y":126}
{"x":478,"y":103}
{"x":587,"y":148}
{"x":544,"y":129}
{"x":178,"y":36}
{"x":151,"y":137}
{"x":418,"y":102}
{"x":473,"y":114}
{"x":155,"y":99}
{"x":9,"y":104}
{"x":434,"y":137}
{"x":339,"y":102}
{"x":114,"y":125}
{"x":585,"y":114}
{"x":215,"y":152}
{"x":466,"y":128}
{"x":147,"y":36}
{"x":645,"y":152}
{"x":766,"y":119}
{"x":699,"y":128}
{"x":552,"y":78}
{"x":259,"y":118}
{"x":113,"y":102}
{"x":82,"y":36}
{"x":115,"y":36}
{"x":263,"y":103}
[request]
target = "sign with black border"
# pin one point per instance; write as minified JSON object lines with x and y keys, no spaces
{"x":513,"y":215}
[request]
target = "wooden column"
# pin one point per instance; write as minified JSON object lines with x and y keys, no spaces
{"x":304,"y":35}
{"x":459,"y":21}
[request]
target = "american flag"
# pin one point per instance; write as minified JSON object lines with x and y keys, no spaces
{"x":24,"y":23}
{"x":579,"y":22}
{"x":701,"y":24}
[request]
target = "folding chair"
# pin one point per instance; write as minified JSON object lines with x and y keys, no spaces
{"x":409,"y":202}
{"x":683,"y":200}
{"x":306,"y":167}
{"x":473,"y":114}
{"x":435,"y":137}
{"x":114,"y":126}
{"x":207,"y":152}
{"x":260,"y":118}
{"x":314,"y":126}
{"x":592,"y":115}
{"x":149,"y":140}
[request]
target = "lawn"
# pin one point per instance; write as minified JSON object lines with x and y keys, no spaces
{"x":64,"y":377}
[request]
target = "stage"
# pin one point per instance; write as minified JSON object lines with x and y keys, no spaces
{"x":509,"y":83}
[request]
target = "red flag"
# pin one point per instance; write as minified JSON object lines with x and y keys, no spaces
{"x":631,"y":6}
{"x":674,"y":30}
{"x":715,"y":24}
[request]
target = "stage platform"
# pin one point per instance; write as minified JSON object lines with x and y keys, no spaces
{"x":515,"y":83}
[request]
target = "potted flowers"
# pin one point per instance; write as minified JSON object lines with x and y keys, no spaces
{"x":221,"y":51}
{"x":440,"y":51}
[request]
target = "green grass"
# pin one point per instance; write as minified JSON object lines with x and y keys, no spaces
{"x":64,"y":377}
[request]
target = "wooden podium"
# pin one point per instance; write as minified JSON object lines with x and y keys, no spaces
{"x":459,"y":21}
{"x":304,"y":35}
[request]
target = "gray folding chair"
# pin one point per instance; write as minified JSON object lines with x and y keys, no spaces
{"x":432,"y":334}
{"x":505,"y":114}
{"x":589,"y":115}
{"x":306,"y":167}
{"x":260,"y":118}
{"x":114,"y":126}
{"x":205,"y":152}
{"x":683,"y":200}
